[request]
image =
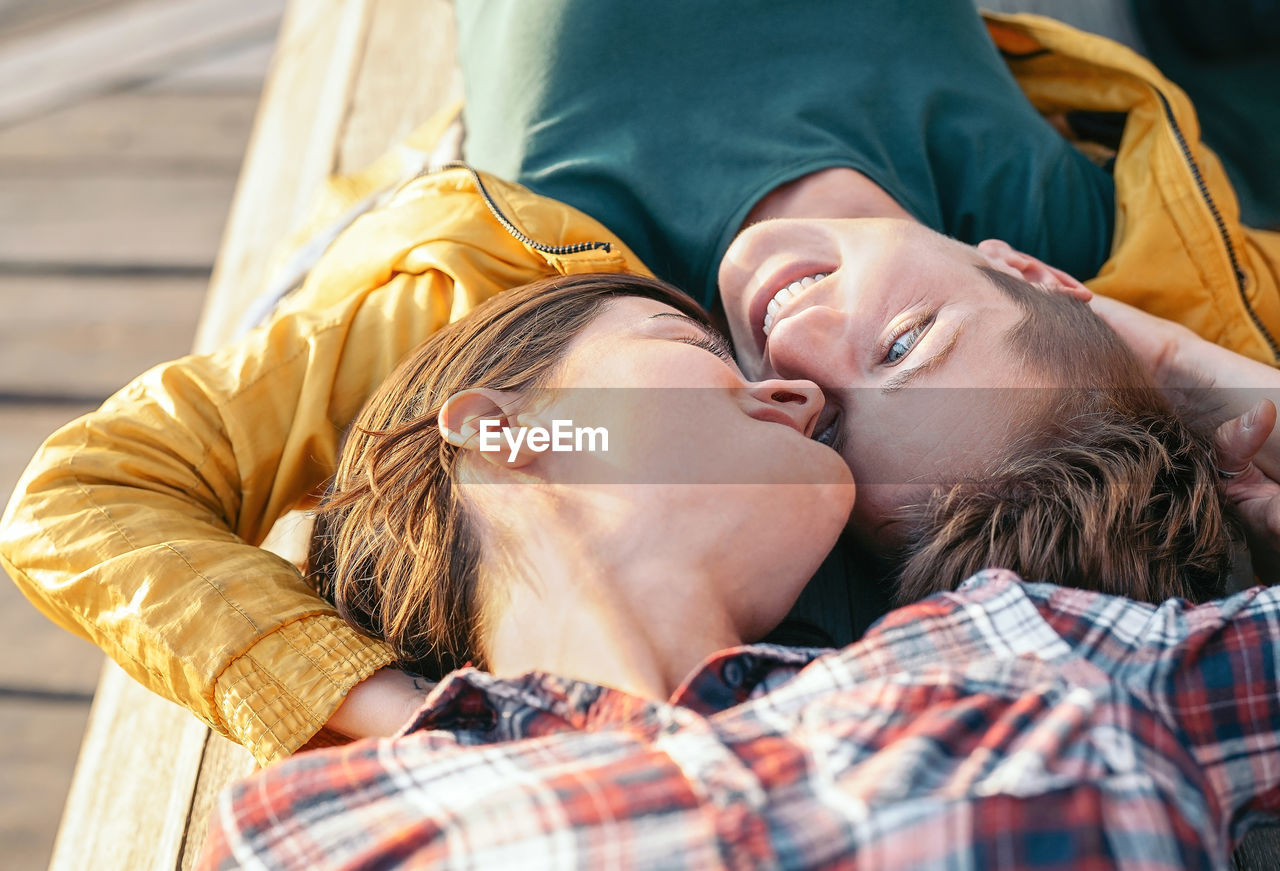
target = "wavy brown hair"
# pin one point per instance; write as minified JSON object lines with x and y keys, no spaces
{"x":1110,"y":488}
{"x":394,"y":547}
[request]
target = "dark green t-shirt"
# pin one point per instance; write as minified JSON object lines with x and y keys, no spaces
{"x":667,"y":120}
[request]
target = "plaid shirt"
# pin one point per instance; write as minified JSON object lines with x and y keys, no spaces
{"x":1008,"y":725}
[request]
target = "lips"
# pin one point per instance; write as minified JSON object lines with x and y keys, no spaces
{"x":826,"y":429}
{"x":784,"y":296}
{"x":780,"y":284}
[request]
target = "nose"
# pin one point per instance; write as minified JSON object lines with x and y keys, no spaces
{"x":811,"y":345}
{"x":793,"y":403}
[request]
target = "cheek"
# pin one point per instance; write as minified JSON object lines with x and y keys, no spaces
{"x":924,"y":435}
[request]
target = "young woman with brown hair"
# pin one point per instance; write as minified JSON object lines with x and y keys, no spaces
{"x":692,"y":526}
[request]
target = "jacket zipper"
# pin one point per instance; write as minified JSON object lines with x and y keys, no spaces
{"x":553,"y":250}
{"x":1221,"y":225}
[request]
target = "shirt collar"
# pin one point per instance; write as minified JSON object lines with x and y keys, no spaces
{"x":534,"y":703}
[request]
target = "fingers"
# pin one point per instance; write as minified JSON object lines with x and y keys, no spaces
{"x":1261,"y":521}
{"x":1239,"y":439}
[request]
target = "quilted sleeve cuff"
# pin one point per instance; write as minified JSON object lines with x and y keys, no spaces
{"x":280,"y":692}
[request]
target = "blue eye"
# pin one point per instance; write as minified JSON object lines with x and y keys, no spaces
{"x":904,"y":343}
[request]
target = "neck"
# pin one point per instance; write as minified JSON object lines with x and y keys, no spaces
{"x":630,"y":620}
{"x":837,"y":192}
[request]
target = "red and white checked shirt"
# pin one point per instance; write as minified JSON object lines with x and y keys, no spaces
{"x":1007,"y":725}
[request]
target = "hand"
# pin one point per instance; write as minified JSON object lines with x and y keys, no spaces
{"x":1203,"y":379}
{"x":380,"y":704}
{"x":1255,"y":495}
{"x":1161,"y":345}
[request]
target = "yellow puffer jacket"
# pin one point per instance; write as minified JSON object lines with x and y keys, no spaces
{"x":135,"y":526}
{"x":1179,"y":250}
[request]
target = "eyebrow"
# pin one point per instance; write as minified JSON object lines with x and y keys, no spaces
{"x":904,"y":379}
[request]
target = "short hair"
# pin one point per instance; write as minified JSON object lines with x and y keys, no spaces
{"x":394,"y":546}
{"x":1110,"y":488}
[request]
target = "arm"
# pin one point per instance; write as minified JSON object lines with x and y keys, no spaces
{"x":380,"y":705}
{"x":1214,"y":381}
{"x":1237,"y":393}
{"x":136,"y":526}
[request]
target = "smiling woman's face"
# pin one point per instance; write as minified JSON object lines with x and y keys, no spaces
{"x":728,"y":465}
{"x":904,"y":334}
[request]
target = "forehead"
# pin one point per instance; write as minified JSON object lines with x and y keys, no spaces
{"x":619,"y":317}
{"x":605,"y":339}
{"x":905,"y":250}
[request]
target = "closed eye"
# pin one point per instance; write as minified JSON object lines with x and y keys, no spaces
{"x":704,"y":337}
{"x":713,"y":342}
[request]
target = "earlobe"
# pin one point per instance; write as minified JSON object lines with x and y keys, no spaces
{"x":1003,"y":256}
{"x":482,"y":420}
{"x":462,"y":415}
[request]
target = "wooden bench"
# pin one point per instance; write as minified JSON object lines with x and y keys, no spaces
{"x":349,"y":79}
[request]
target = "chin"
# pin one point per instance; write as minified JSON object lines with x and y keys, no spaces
{"x":881,"y":520}
{"x":879,"y":535}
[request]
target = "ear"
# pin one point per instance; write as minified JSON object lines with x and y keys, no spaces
{"x":478,"y":420}
{"x":1003,"y":256}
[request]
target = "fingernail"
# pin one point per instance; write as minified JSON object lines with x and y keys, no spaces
{"x":1250,"y":418}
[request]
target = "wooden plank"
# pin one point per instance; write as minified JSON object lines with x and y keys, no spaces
{"x":93,"y":54}
{"x":291,"y":153}
{"x":409,"y":71}
{"x":20,"y":18}
{"x":329,"y":103}
{"x":158,"y":821}
{"x":243,"y":68}
{"x":166,"y":132}
{"x":42,"y":733}
{"x":89,"y":336}
{"x":129,"y":218}
{"x":36,"y":762}
{"x":223,"y":763}
{"x":138,"y":765}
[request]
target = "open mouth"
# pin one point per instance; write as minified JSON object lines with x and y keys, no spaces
{"x":827,"y":429}
{"x":772,"y":296}
{"x":785,"y":295}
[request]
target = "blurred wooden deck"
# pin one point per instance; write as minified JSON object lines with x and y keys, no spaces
{"x":351,"y":78}
{"x":116,"y":176}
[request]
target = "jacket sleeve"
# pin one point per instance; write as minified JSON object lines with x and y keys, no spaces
{"x":135,"y":525}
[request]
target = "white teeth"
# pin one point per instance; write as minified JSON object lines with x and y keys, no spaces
{"x":788,"y":293}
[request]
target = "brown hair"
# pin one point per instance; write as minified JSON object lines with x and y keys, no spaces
{"x":394,"y":547}
{"x":1111,"y":489}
